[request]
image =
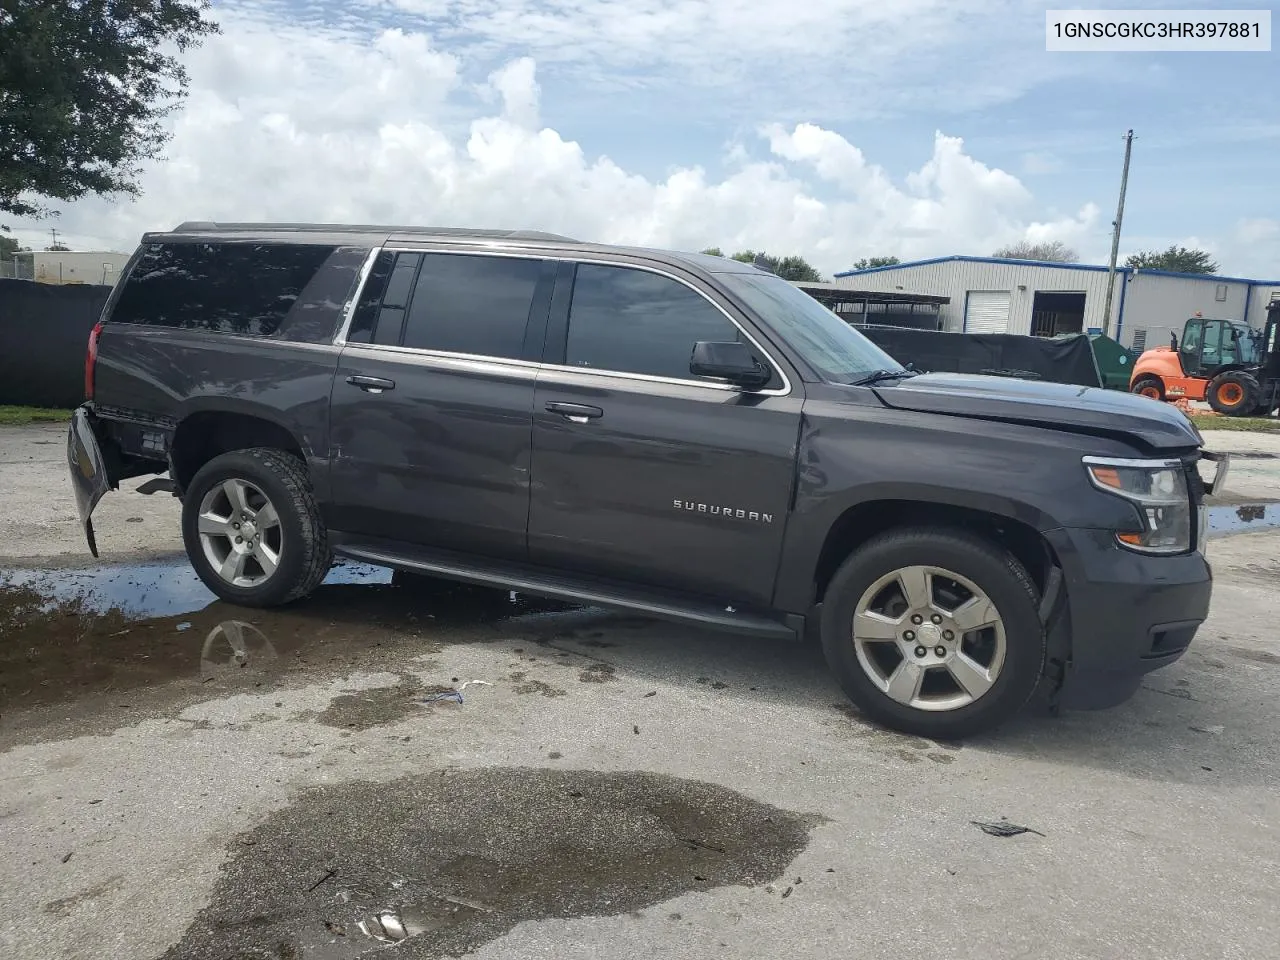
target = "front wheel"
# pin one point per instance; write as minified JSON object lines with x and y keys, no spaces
{"x":934,"y":633}
{"x":253,"y":530}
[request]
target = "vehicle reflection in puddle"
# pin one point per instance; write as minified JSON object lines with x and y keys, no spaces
{"x":114,"y":628}
{"x":231,"y":646}
{"x":1241,"y":519}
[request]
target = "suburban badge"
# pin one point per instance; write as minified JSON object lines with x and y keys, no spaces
{"x":718,"y":510}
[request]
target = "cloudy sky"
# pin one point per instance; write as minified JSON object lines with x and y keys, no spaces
{"x":832,"y":128}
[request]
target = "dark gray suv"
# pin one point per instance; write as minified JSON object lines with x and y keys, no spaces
{"x":676,"y":434}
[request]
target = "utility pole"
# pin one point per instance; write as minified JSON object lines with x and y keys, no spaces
{"x":1115,"y":235}
{"x":54,"y":231}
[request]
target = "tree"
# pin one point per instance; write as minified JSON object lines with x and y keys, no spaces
{"x":84,"y":86}
{"x":8,"y":247}
{"x":57,"y":248}
{"x":713,"y":252}
{"x":870,"y":263}
{"x":1053,"y":251}
{"x":794,"y":268}
{"x":1176,"y":259}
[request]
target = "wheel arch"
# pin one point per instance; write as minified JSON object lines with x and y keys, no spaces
{"x":859,"y":522}
{"x":1161,"y":362}
{"x":205,"y":432}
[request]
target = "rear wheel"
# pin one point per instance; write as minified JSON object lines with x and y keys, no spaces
{"x":934,"y":633}
{"x":1234,"y":393}
{"x":253,"y":530}
{"x":1148,"y":386}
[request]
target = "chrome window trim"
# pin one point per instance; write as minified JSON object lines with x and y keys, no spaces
{"x":403,"y":247}
{"x":650,"y":378}
{"x":464,"y":360}
{"x":349,"y":311}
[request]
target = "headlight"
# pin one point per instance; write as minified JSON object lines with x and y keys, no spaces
{"x":1159,"y":490}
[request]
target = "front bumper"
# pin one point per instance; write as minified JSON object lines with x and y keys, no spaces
{"x":1129,"y":614}
{"x":88,"y":468}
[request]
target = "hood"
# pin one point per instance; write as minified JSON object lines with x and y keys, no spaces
{"x":1055,"y":405}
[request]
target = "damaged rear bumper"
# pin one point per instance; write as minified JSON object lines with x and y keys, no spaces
{"x":88,"y":468}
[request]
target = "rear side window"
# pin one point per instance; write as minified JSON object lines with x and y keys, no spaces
{"x":452,"y":303}
{"x":633,"y":321}
{"x":472,"y":305}
{"x":241,"y":288}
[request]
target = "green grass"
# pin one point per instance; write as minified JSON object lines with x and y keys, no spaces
{"x":1254,"y":424}
{"x":21,"y":416}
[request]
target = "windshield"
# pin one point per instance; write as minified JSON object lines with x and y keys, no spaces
{"x":1245,"y":344}
{"x":834,"y":349}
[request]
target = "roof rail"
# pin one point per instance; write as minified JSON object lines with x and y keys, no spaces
{"x":195,"y":226}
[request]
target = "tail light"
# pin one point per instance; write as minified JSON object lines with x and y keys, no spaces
{"x":91,"y":359}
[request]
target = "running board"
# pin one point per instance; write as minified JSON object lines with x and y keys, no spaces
{"x":562,"y":586}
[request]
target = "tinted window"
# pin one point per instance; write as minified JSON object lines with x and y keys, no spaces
{"x":366,"y":312}
{"x":395,"y":301}
{"x":633,"y":321}
{"x":244,"y":288}
{"x":316,"y":315}
{"x":473,"y":305}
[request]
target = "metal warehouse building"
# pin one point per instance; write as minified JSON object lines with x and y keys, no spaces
{"x":62,"y":266}
{"x":987,"y":295}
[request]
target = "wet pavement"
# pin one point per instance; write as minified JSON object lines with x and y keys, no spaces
{"x":1244,"y":518}
{"x":113,"y":629}
{"x":445,"y":862}
{"x":439,"y":770}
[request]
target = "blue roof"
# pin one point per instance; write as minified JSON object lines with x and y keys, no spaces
{"x":1061,"y":266}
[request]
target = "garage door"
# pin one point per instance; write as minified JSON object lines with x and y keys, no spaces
{"x":986,"y":311}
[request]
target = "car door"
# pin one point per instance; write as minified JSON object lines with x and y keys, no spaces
{"x":642,"y":471}
{"x":431,"y":407}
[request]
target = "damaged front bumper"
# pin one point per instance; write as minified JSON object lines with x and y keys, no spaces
{"x":90,"y":479}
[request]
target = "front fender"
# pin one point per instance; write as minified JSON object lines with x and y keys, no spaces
{"x":860,"y":456}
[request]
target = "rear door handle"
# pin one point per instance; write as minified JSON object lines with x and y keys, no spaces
{"x":371,"y":384}
{"x":576,"y":412}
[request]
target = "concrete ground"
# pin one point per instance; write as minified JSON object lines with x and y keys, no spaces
{"x":182,"y":778}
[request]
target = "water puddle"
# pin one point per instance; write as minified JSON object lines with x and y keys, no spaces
{"x":437,"y":865}
{"x":1241,"y":519}
{"x":115,"y":628}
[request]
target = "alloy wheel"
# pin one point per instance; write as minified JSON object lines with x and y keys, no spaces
{"x":929,"y":638}
{"x":240,"y":533}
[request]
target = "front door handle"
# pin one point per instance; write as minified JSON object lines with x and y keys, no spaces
{"x":575,"y":412}
{"x":371,"y":384}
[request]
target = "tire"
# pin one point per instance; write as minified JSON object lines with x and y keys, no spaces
{"x":1234,"y":393}
{"x":1148,"y":386}
{"x":297,"y":540}
{"x":941,"y":708}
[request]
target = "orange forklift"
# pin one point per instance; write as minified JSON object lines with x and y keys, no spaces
{"x":1233,"y":367}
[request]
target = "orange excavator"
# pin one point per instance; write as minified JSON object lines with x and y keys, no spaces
{"x":1227,"y":363}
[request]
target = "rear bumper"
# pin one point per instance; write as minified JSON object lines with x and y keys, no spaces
{"x":88,"y":470}
{"x":1129,"y":614}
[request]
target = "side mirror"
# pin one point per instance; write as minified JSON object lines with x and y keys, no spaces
{"x":732,"y":361}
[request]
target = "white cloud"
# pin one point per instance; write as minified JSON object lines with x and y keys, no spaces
{"x":298,"y":121}
{"x":1040,"y":163}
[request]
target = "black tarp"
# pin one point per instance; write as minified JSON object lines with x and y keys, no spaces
{"x":44,"y":331}
{"x":1060,"y":360}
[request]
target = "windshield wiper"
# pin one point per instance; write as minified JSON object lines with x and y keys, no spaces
{"x":876,"y":376}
